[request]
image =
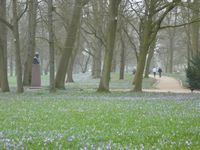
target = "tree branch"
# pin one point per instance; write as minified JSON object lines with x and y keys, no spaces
{"x":168,"y":9}
{"x":84,"y":2}
{"x":10,"y":26}
{"x":157,"y":23}
{"x":20,"y":16}
{"x":180,"y":25}
{"x":95,"y":34}
{"x":132,"y":25}
{"x":88,"y":52}
{"x":132,"y":43}
{"x":162,"y":7}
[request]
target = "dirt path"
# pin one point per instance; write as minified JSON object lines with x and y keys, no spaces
{"x":169,"y":84}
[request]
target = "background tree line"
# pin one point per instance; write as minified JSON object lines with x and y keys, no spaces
{"x":100,"y":36}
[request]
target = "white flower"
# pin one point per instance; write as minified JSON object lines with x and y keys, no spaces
{"x":189,"y":142}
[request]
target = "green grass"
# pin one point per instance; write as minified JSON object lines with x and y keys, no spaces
{"x":81,"y":118}
{"x":74,"y":119}
{"x":85,"y":81}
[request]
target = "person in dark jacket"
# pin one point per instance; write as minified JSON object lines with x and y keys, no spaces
{"x":160,"y":71}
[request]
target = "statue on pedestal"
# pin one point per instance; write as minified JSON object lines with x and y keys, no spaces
{"x":36,"y":78}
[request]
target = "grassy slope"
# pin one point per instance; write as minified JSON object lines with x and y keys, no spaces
{"x":74,"y":119}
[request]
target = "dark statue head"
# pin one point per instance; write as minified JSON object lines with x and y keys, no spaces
{"x":36,"y":58}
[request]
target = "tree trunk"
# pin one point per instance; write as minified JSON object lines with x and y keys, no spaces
{"x":72,"y":60}
{"x":189,"y":45}
{"x":149,"y":26}
{"x":96,"y":69}
{"x":11,"y":65}
{"x":32,"y":13}
{"x":149,"y":58}
{"x":171,"y":53}
{"x":46,"y":68}
{"x":69,"y":45}
{"x":122,"y":59}
{"x":144,"y":47}
{"x":172,"y":33}
{"x":114,"y":63}
{"x":70,"y":70}
{"x":110,"y":43}
{"x":141,"y":65}
{"x":188,"y":42}
{"x":97,"y":9}
{"x":3,"y":49}
{"x":195,"y":28}
{"x":85,"y":67}
{"x":51,"y":46}
{"x":17,"y":49}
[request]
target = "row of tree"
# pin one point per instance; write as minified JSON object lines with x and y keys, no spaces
{"x":96,"y":28}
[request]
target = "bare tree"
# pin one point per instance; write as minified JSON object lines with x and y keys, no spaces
{"x":98,"y":11}
{"x":149,"y":58}
{"x":149,"y":28}
{"x":72,"y":59}
{"x":122,"y":56}
{"x":171,"y":32}
{"x":3,"y":49}
{"x":32,"y":15}
{"x":110,"y":43}
{"x":69,"y":44}
{"x":15,"y":30}
{"x":195,"y":28}
{"x":20,"y":88}
{"x":51,"y":45}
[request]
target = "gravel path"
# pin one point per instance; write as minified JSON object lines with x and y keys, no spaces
{"x":169,"y":84}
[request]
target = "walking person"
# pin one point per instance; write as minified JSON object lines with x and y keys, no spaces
{"x":160,"y":71}
{"x":154,"y":71}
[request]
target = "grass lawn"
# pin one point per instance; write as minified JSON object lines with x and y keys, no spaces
{"x":80,"y":118}
{"x":84,"y":81}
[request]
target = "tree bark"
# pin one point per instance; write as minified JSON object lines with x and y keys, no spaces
{"x":51,"y":46}
{"x":11,"y":65}
{"x":46,"y":68}
{"x":172,"y":33}
{"x":72,"y":60}
{"x":69,"y":45}
{"x":3,"y":50}
{"x":97,"y":58}
{"x":171,"y":53}
{"x":32,"y":15}
{"x":195,"y":28}
{"x":96,"y":69}
{"x":20,"y":88}
{"x":144,"y":46}
{"x":149,"y":58}
{"x":145,"y":38}
{"x":85,"y":66}
{"x":70,"y":70}
{"x":110,"y":43}
{"x":114,"y":63}
{"x":122,"y":59}
{"x":149,"y":28}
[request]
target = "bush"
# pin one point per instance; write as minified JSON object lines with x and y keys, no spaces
{"x":193,"y":73}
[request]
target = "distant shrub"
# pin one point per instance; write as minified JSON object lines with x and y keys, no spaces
{"x":193,"y":73}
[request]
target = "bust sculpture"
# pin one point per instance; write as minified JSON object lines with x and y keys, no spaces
{"x":36,"y":59}
{"x":36,"y":78}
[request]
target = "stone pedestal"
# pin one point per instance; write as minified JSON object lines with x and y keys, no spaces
{"x":36,"y":78}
